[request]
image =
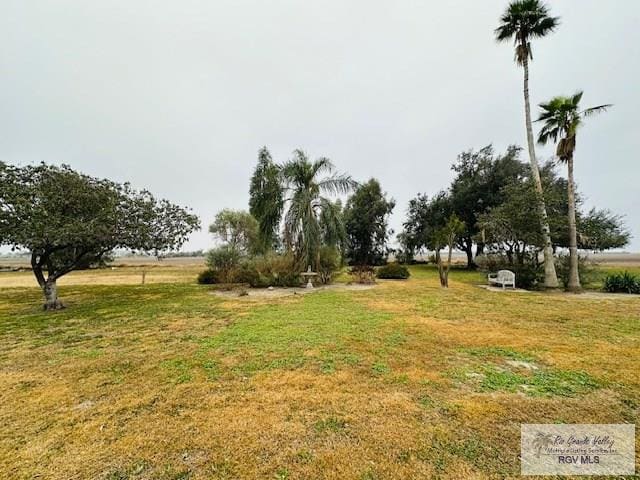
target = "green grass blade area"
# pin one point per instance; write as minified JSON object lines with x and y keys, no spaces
{"x":403,"y":380}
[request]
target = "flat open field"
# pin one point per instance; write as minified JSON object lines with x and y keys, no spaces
{"x":405,"y":380}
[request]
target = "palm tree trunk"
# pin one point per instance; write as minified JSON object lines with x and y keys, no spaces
{"x":550,"y":277}
{"x":574,"y":276}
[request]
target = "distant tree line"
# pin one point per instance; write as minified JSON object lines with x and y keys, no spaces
{"x":495,"y":198}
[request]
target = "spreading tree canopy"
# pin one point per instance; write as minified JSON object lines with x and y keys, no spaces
{"x":480,"y":177}
{"x":512,"y":226}
{"x":67,"y":219}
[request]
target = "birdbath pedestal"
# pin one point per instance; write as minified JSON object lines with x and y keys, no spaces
{"x":309,"y":275}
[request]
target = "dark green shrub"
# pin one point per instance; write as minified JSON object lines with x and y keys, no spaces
{"x":224,"y":260}
{"x":528,"y":275}
{"x":246,"y":272}
{"x":622,"y":283}
{"x":328,"y":265}
{"x":291,"y":279}
{"x":585,"y":269}
{"x":272,"y":270}
{"x":393,"y":271}
{"x":208,"y":277}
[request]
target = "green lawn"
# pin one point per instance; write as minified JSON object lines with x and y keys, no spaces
{"x":405,"y":380}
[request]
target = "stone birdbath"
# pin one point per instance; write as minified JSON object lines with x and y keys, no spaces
{"x":309,"y":275}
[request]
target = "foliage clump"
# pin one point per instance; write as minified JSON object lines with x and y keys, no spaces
{"x":366,"y":215}
{"x":622,"y":283}
{"x":208,"y":277}
{"x":224,"y":261}
{"x":586,"y":269}
{"x":269,"y":270}
{"x":364,"y":274}
{"x":393,"y":271}
{"x":328,"y":264}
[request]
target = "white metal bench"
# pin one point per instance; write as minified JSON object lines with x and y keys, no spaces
{"x":504,"y":278}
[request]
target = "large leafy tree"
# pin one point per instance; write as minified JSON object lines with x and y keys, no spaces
{"x":523,"y":21}
{"x":67,"y":219}
{"x":512,"y":227}
{"x":414,"y":236}
{"x":480,"y":176}
{"x":308,"y":209}
{"x":366,"y":217}
{"x":237,"y":229}
{"x":426,"y":217}
{"x":266,"y":200}
{"x":562,"y":116}
{"x":601,"y":230}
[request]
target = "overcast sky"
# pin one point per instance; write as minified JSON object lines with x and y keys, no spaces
{"x":178,"y":96}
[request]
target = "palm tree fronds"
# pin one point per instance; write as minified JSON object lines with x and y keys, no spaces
{"x":545,"y":25}
{"x":593,"y":110}
{"x":337,"y":184}
{"x":562,"y":117}
{"x":310,"y":216}
{"x":333,"y":229}
{"x":523,"y":20}
{"x":322,"y":165}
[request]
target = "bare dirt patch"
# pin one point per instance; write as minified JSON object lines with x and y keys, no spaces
{"x":279,"y":292}
{"x":491,"y":288}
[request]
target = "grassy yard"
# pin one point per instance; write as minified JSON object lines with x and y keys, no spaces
{"x":406,"y":380}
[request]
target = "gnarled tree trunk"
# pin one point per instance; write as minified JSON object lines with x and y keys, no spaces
{"x":574,"y":276}
{"x":443,"y":274}
{"x":48,"y":285}
{"x":50,"y":290}
{"x":468,"y":250}
{"x":550,"y":277}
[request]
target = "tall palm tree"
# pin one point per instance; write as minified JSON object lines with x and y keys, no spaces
{"x":562,"y":117}
{"x":522,"y":21}
{"x":310,"y":213}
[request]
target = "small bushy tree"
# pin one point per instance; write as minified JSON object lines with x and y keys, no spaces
{"x":223,"y":260}
{"x":432,"y":224}
{"x":601,"y":230}
{"x":237,"y":229}
{"x":446,"y":236}
{"x":328,"y":264}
